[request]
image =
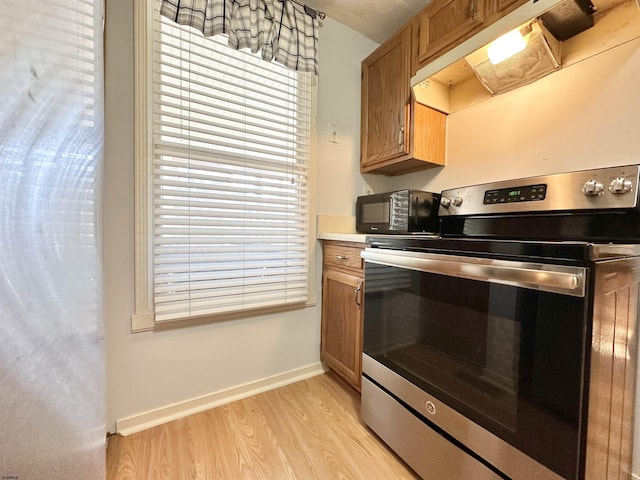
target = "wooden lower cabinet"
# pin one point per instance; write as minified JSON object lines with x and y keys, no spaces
{"x":342,"y":296}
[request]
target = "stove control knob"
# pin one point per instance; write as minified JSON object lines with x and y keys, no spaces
{"x":445,"y":202}
{"x":620,"y":185}
{"x":592,"y":188}
{"x":457,"y":201}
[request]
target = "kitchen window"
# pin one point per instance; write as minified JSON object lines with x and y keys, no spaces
{"x":223,"y":162}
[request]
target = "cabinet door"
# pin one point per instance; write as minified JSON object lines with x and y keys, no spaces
{"x":385,"y":95}
{"x":496,"y":9}
{"x":446,"y":23}
{"x":503,"y":5}
{"x":342,"y":324}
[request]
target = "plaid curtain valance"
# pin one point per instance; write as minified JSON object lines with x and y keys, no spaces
{"x":281,"y":29}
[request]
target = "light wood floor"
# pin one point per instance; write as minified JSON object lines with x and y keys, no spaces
{"x":307,"y":430}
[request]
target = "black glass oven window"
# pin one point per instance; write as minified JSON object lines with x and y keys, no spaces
{"x":508,"y":358}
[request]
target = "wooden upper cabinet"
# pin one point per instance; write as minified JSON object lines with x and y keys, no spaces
{"x":398,"y":135}
{"x":446,"y":23}
{"x":385,"y":93}
{"x":503,"y":5}
{"x":499,"y":8}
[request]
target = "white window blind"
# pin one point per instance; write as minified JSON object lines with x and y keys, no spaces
{"x":231,"y":147}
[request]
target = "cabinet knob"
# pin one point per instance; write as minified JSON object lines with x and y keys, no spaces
{"x":592,"y":188}
{"x":342,"y":257}
{"x":620,"y":185}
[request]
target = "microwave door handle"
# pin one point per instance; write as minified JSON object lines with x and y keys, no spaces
{"x":565,"y":282}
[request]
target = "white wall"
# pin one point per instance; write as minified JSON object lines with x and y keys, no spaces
{"x":146,"y":371}
{"x":338,"y":169}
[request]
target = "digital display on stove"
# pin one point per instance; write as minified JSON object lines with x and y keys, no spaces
{"x":529,"y":193}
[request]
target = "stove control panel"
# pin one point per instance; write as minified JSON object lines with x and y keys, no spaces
{"x":598,"y":189}
{"x":525,"y":193}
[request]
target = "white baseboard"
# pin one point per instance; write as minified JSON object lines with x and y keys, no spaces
{"x":158,"y":416}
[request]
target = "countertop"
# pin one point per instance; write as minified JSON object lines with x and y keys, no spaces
{"x":362,"y":237}
{"x":344,"y":237}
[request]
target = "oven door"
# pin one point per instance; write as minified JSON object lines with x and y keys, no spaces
{"x":501,"y":343}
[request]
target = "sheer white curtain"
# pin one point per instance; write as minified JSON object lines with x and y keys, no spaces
{"x":51,"y":355}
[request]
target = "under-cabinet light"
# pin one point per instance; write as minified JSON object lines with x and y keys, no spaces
{"x":506,"y":46}
{"x":540,"y":57}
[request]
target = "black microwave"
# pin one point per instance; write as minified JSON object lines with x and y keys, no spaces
{"x":402,"y":211}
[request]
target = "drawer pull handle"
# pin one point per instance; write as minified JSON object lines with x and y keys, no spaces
{"x":342,"y":257}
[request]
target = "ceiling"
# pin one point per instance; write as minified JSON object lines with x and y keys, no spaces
{"x":375,"y":19}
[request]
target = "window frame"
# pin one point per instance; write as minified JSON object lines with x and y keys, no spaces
{"x":143,"y":318}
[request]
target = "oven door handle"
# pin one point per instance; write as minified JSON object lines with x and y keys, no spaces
{"x":562,"y":279}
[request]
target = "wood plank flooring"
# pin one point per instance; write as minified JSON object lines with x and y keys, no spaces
{"x":307,"y":430}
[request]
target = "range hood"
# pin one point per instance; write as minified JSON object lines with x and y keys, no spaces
{"x":564,"y":32}
{"x":526,"y":13}
{"x":569,"y":18}
{"x":539,"y":56}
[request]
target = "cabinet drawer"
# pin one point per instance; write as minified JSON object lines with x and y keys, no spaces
{"x":340,"y":255}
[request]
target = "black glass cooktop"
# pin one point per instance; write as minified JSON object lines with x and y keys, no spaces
{"x":566,"y":236}
{"x":600,"y":227}
{"x":515,"y":249}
